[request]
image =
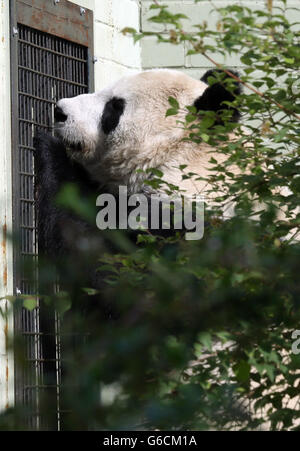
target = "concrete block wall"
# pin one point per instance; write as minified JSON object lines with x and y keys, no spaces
{"x":116,"y":55}
{"x":167,"y":55}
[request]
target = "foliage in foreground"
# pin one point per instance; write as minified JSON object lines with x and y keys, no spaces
{"x":203,"y":338}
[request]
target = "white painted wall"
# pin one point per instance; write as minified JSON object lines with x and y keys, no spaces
{"x":6,"y":283}
{"x":116,"y":54}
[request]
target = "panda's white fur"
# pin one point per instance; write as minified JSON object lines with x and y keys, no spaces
{"x":144,"y":137}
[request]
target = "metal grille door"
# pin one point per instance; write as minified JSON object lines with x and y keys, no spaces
{"x":48,"y":68}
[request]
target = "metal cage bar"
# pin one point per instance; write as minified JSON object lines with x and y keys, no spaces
{"x":45,"y":67}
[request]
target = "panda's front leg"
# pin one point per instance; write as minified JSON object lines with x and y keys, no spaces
{"x":69,"y":241}
{"x":53,"y":168}
{"x":63,"y":236}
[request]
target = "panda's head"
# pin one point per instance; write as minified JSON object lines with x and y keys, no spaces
{"x":124,"y":127}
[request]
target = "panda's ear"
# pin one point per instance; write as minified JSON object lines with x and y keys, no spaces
{"x":217,"y":92}
{"x":112,"y":112}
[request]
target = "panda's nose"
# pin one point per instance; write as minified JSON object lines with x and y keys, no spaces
{"x":59,"y":115}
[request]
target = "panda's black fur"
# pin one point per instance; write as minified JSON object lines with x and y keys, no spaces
{"x":113,"y":110}
{"x":215,"y":95}
{"x":54,"y":169}
{"x":61,"y":232}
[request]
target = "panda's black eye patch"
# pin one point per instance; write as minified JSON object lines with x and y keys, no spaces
{"x":112,"y":112}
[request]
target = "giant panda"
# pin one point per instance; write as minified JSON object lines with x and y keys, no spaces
{"x":109,"y":139}
{"x":123,"y":128}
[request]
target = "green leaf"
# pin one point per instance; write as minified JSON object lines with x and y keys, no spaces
{"x":205,"y":137}
{"x":173,"y":102}
{"x":90,"y":291}
{"x":242,"y":371}
{"x":171,"y":112}
{"x":30,"y":303}
{"x":190,"y":118}
{"x":205,"y":339}
{"x":289,"y":60}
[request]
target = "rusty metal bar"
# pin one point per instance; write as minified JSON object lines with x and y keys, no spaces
{"x":54,"y":52}
{"x":64,"y":80}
